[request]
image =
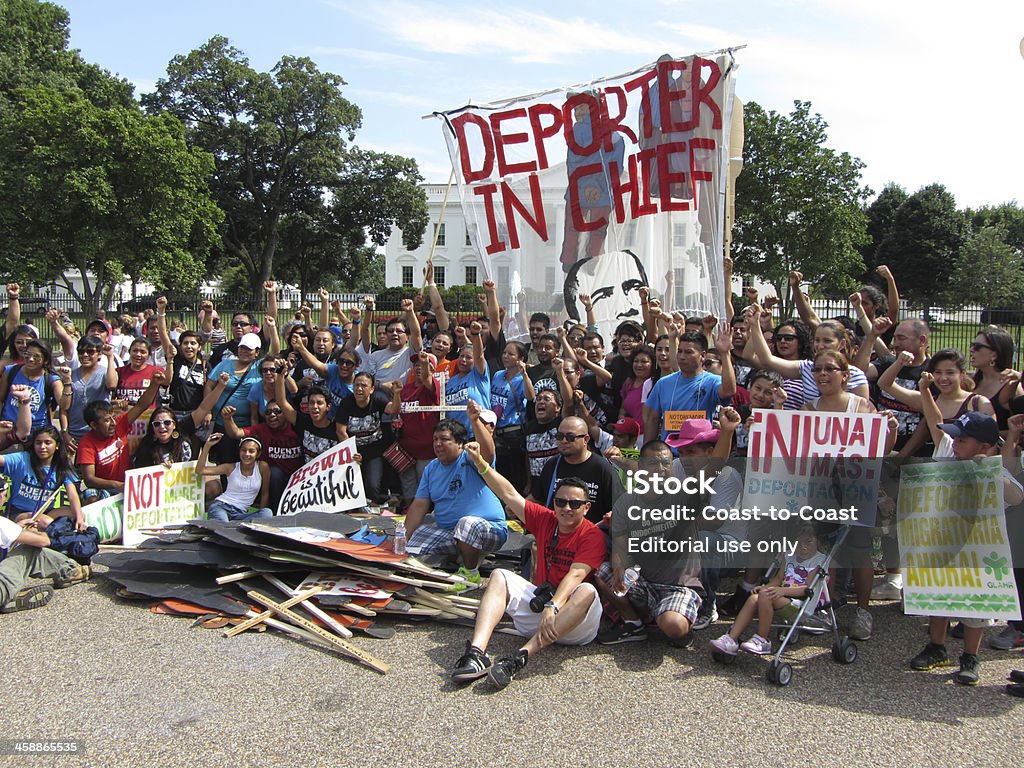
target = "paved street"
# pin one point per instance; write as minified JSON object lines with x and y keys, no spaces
{"x":141,"y":689}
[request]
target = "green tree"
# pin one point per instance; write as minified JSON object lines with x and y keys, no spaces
{"x":1008,"y":217}
{"x":799,"y":204}
{"x":988,"y":271}
{"x":923,"y":243}
{"x":104,"y":191}
{"x":881,"y":214}
{"x":282,"y":146}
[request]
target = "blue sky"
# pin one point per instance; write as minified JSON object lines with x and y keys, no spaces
{"x":921,"y":91}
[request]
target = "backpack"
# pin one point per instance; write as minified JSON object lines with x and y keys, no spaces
{"x":48,"y":398}
{"x":78,"y":545}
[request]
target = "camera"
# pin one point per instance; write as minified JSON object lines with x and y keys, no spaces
{"x":541,"y":595}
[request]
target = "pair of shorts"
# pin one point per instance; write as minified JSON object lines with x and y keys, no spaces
{"x":472,"y":531}
{"x":657,"y":599}
{"x":521,"y":591}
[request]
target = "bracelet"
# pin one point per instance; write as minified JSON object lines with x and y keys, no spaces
{"x":485,"y":470}
{"x":356,"y":322}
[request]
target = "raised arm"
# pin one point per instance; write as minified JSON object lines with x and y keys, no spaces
{"x":210,"y":398}
{"x":23,"y":426}
{"x":730,"y":310}
{"x":588,"y":307}
{"x":723,"y":343}
{"x":476,"y":339}
{"x":757,"y":351}
{"x":601,"y":374}
{"x":206,"y":470}
{"x":887,"y":381}
{"x":325,"y":308}
{"x":493,"y":311}
{"x":13,"y":309}
{"x":480,"y":432}
{"x":862,"y":359}
{"x":364,"y":331}
{"x":281,"y":396}
{"x":413,"y":322}
{"x":436,"y":302}
{"x":892,"y":292}
{"x":308,"y":357}
{"x":803,"y":304}
{"x":502,"y":488}
{"x":270,"y":329}
{"x":149,"y":396}
{"x":866,"y":325}
{"x":929,"y":408}
{"x":165,"y":338}
{"x":270,"y":287}
{"x":67,"y":344}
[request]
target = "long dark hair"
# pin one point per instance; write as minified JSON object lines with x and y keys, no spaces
{"x":59,"y":464}
{"x":151,"y":450}
{"x":21,"y":330}
{"x":1002,"y":344}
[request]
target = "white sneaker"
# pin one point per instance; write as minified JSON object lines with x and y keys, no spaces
{"x":705,"y":620}
{"x":758,"y":645}
{"x":861,"y":626}
{"x":726,"y":644}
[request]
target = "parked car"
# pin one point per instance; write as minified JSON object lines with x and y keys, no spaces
{"x":934,"y":315}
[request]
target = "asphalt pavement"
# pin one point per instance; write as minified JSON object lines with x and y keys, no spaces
{"x":135,"y":688}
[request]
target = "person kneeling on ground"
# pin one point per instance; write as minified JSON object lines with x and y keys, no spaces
{"x":468,"y":520}
{"x":31,"y":558}
{"x":563,"y":608}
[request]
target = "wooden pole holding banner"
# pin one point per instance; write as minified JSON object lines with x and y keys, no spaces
{"x":440,"y":221}
{"x":46,"y":505}
{"x":345,"y":647}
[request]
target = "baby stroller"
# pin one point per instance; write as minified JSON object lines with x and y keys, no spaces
{"x":815,"y":616}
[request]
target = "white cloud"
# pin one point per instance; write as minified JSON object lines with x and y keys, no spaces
{"x":371,"y":57}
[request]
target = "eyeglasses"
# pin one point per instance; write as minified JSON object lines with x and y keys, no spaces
{"x":786,"y":337}
{"x":34,"y":358}
{"x":88,"y":351}
{"x":274,"y":411}
{"x":163,"y":423}
{"x":829,"y":369}
{"x":710,"y":363}
{"x":571,"y":503}
{"x":346,"y":362}
{"x":977,"y":345}
{"x":567,"y":436}
{"x":577,"y":339}
{"x":239,"y":323}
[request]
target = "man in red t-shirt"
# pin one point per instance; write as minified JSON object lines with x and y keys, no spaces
{"x":282,"y":449}
{"x":569,"y":549}
{"x":103,"y":452}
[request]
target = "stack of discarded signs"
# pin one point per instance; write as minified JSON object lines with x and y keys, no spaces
{"x":317,"y":576}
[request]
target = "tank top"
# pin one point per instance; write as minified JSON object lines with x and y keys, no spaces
{"x":242,"y":490}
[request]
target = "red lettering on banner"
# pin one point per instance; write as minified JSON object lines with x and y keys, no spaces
{"x":703,"y":91}
{"x":581,"y":224}
{"x":700,"y":174}
{"x":540,"y":132}
{"x":465,"y":154}
{"x":666,"y":178}
{"x":588,"y":101}
{"x":667,"y":96}
{"x":146,"y":492}
{"x":643,"y":82}
{"x":502,"y":140}
{"x":487,"y":191}
{"x":612,"y":123}
{"x":512,"y":203}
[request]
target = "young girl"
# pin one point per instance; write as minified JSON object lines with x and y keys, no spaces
{"x":784,"y":593}
{"x":248,"y":480}
{"x":34,"y":373}
{"x":90,"y":381}
{"x":35,"y":475}
{"x":132,"y":379}
{"x":511,"y":389}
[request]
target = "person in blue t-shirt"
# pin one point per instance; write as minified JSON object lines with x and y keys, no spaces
{"x":468,"y":518}
{"x":472,"y":380}
{"x":692,"y":388}
{"x":37,"y":474}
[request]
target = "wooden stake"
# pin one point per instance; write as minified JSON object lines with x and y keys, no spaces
{"x":330,"y":621}
{"x":257,"y":618}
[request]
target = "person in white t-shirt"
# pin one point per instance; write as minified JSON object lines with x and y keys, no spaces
{"x":30,"y":557}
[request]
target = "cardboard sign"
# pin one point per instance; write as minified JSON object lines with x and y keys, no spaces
{"x":106,"y":515}
{"x":159,"y":496}
{"x":339,"y":585}
{"x":332,"y":482}
{"x":674,"y":419}
{"x":954,"y":549}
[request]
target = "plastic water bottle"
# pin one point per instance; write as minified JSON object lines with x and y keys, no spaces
{"x":400,"y":539}
{"x":629,"y":578}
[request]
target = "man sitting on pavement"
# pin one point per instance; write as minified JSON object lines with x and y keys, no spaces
{"x":569,"y":549}
{"x":468,"y":520}
{"x":31,"y":557}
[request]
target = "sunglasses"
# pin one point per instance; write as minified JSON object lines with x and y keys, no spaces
{"x":274,"y":411}
{"x":346,"y":362}
{"x":270,"y":370}
{"x":568,"y":437}
{"x":830,"y":369}
{"x":239,"y":323}
{"x":977,"y":346}
{"x":785,"y":337}
{"x":163,"y":423}
{"x":571,"y":503}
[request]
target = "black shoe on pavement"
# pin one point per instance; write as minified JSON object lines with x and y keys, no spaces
{"x":506,"y":668}
{"x":1016,"y":689}
{"x":969,"y":665}
{"x":734,"y":604}
{"x":622,"y":632}
{"x":1017,"y":675}
{"x":473,"y":665}
{"x":931,"y":657}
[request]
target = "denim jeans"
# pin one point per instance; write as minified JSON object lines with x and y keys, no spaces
{"x":218,"y":510}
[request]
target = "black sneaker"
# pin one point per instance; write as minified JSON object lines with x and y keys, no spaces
{"x":506,"y":668}
{"x":622,"y":632}
{"x":969,"y":665}
{"x":682,"y":642}
{"x":957,"y":632}
{"x":473,"y":665}
{"x":930,"y":657}
{"x":734,"y":604}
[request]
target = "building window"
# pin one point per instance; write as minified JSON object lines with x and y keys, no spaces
{"x":471,"y":275}
{"x":407,"y":277}
{"x":504,"y":285}
{"x":549,"y":279}
{"x":679,"y":235}
{"x":439,"y":276}
{"x":439,"y":233}
{"x":747,"y":281}
{"x":468,"y":241}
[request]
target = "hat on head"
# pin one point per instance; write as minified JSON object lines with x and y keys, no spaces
{"x":415,"y":358}
{"x":693,"y":431}
{"x":99,"y":321}
{"x":980,"y":426}
{"x":627,"y":426}
{"x":487,"y":416}
{"x":250,"y":341}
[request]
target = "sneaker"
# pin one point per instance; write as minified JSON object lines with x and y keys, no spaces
{"x":726,"y":644}
{"x":682,"y":642}
{"x":473,"y":665}
{"x":957,"y":632}
{"x":1017,"y":676}
{"x":77,"y":576}
{"x":969,"y":665}
{"x":757,"y":645}
{"x":705,"y":620}
{"x":506,"y":668}
{"x":29,"y":598}
{"x":622,"y":632}
{"x":1015,"y":689}
{"x":1008,"y":639}
{"x":861,"y":626}
{"x":886,"y":592}
{"x":931,"y":657}
{"x":472,"y":580}
{"x":734,"y":604}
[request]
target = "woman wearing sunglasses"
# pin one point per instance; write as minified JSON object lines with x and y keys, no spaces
{"x":338,"y":374}
{"x":264,"y":391}
{"x":994,"y":377}
{"x":90,"y":382}
{"x":33,"y":372}
{"x":792,"y":341}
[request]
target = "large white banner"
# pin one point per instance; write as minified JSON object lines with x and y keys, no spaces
{"x":615,"y":183}
{"x":155,"y":497}
{"x":332,"y":482}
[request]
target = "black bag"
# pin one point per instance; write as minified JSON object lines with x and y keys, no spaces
{"x":80,"y":546}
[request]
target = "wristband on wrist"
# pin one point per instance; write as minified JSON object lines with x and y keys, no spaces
{"x":485,"y":470}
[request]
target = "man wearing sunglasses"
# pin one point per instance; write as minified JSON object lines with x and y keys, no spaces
{"x":569,"y":549}
{"x":575,"y":459}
